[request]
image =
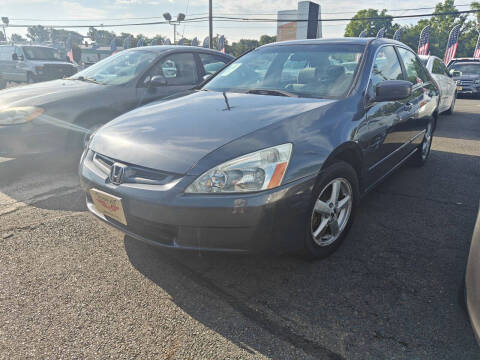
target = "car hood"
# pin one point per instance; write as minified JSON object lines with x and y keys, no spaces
{"x":174,"y":135}
{"x":43,"y":93}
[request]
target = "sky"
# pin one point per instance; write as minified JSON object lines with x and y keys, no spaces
{"x":74,"y":12}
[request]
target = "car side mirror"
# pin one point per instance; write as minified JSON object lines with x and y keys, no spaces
{"x":14,"y":57}
{"x":158,"y":81}
{"x":206,"y":77}
{"x":392,"y":90}
{"x":455,"y":73}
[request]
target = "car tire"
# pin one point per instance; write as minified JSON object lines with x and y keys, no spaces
{"x":329,"y":218}
{"x":30,"y":78}
{"x":3,"y":84}
{"x":452,"y":106}
{"x":423,"y":151}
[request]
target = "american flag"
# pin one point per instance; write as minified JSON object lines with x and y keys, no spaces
{"x":381,"y":33}
{"x":398,"y":34}
{"x":424,"y":41}
{"x":113,"y":46}
{"x":452,"y":44}
{"x":363,"y":34}
{"x":69,"y":49}
{"x":476,"y":54}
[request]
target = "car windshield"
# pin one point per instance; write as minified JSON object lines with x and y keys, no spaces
{"x":467,"y":69}
{"x":118,"y":69}
{"x":317,"y":71}
{"x":41,"y":53}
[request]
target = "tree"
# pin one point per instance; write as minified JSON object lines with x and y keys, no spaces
{"x":101,"y":37}
{"x":361,"y":22}
{"x":266,"y":39}
{"x":16,"y":38}
{"x":38,"y":33}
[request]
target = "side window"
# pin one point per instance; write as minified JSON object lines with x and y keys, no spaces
{"x":437,"y":68}
{"x":178,"y":69}
{"x":211,"y":63}
{"x":386,"y":67}
{"x":19,"y":52}
{"x":416,"y":73}
{"x":6,"y":53}
{"x":445,"y":70}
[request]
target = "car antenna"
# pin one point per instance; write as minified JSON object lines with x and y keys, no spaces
{"x":226,"y":101}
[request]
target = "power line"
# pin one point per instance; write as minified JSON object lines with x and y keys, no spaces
{"x":206,"y":13}
{"x":259,"y":20}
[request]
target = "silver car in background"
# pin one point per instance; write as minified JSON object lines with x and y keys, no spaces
{"x":32,"y":63}
{"x":472,"y":281}
{"x":444,"y":80}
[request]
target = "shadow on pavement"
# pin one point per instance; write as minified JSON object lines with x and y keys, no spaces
{"x":45,"y":181}
{"x":389,"y":292}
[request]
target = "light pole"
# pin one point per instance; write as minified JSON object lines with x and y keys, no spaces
{"x":5,"y":22}
{"x":210,"y":25}
{"x":180,"y":18}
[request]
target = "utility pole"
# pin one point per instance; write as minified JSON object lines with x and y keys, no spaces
{"x":174,"y":34}
{"x":210,"y":24}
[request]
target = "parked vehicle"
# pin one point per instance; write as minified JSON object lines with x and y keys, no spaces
{"x":445,"y":82}
{"x":61,"y":114}
{"x":32,"y":63}
{"x":472,"y":280}
{"x":467,"y":76}
{"x":461,"y":60}
{"x":259,"y":160}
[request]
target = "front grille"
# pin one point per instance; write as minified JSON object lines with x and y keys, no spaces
{"x":161,"y":233}
{"x":135,"y":174}
{"x":466,"y":82}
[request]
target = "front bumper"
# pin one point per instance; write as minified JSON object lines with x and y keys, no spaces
{"x":468,"y":89}
{"x":272,"y":221}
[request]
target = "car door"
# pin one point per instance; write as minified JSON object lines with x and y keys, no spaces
{"x":386,"y":120}
{"x":444,"y":85}
{"x":180,"y":72}
{"x":421,"y":99}
{"x":450,"y":85}
{"x":7,"y":64}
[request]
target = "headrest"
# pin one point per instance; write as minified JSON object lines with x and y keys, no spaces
{"x":334,"y":71}
{"x":306,"y":75}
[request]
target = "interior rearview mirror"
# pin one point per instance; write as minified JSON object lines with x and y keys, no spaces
{"x":393,"y":90}
{"x":157,"y":81}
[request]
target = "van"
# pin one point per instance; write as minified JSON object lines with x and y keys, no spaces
{"x":32,"y":63}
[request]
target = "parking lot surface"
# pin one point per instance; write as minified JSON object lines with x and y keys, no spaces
{"x":71,"y":287}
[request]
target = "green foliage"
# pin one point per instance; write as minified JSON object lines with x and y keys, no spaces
{"x":440,"y":27}
{"x":16,"y":38}
{"x":355,"y":27}
{"x":244,"y":45}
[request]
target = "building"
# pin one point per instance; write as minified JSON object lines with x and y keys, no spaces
{"x":309,"y":28}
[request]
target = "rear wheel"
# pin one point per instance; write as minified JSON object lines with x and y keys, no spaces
{"x":423,"y":151}
{"x":452,"y":106}
{"x":332,"y":210}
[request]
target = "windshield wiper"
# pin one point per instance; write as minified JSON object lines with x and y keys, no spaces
{"x":81,"y":78}
{"x":271,"y":92}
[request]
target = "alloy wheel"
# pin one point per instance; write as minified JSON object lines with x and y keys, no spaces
{"x":427,"y":141}
{"x":331,"y":212}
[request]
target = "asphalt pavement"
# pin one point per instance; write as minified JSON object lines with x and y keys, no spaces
{"x":72,"y":287}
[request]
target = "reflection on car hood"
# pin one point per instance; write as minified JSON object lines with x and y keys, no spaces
{"x":174,"y":135}
{"x":45,"y":92}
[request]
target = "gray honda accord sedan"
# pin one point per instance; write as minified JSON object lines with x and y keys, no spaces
{"x":272,"y":154}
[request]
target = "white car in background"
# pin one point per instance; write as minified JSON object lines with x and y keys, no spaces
{"x":446,"y":84}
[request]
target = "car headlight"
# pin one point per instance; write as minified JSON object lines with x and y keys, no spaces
{"x":458,"y":82}
{"x":477,"y":81}
{"x":19,"y":115}
{"x":260,"y":170}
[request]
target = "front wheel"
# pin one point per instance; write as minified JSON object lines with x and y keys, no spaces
{"x":332,"y":210}
{"x":30,"y":78}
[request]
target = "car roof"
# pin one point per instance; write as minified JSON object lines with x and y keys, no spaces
{"x":346,"y":40}
{"x":465,"y":62}
{"x":173,"y":48}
